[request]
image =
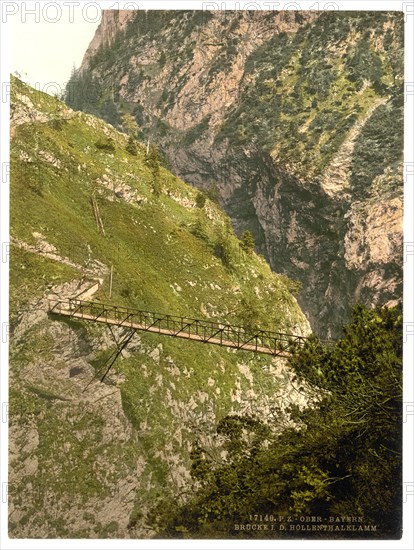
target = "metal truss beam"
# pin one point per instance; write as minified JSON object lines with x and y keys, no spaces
{"x":204,"y":331}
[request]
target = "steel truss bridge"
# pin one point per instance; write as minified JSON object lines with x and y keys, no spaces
{"x":277,"y":344}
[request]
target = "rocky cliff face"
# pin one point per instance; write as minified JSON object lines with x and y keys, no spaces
{"x":296,"y":117}
{"x":112,"y":22}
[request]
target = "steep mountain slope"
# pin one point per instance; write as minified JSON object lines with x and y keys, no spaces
{"x":88,"y":459}
{"x":296,"y":117}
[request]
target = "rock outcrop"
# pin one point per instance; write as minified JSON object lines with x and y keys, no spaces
{"x":276,"y":110}
{"x":91,"y":458}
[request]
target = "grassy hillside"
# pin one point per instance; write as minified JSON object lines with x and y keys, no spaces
{"x":87,"y":462}
{"x":296,"y":116}
{"x":157,"y":244}
{"x":302,"y":88}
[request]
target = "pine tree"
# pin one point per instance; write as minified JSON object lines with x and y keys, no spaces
{"x":213,"y":193}
{"x":162,"y":60}
{"x":131,"y":146}
{"x":130,"y":125}
{"x":343,"y":453}
{"x":152,"y":160}
{"x":247,"y":242}
{"x":200,"y":200}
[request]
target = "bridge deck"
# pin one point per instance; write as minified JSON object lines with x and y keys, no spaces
{"x":204,"y":331}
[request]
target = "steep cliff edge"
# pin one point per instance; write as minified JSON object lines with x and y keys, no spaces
{"x":296,"y":117}
{"x":89,"y":459}
{"x":112,"y":22}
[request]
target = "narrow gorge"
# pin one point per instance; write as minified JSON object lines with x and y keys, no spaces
{"x":206,"y":280}
{"x":294,"y":118}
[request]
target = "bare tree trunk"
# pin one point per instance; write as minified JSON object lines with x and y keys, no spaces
{"x":98,"y":218}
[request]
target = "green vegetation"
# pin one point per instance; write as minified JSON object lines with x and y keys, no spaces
{"x":131,"y":146}
{"x":379,"y":146}
{"x":152,"y":160}
{"x":85,"y":92}
{"x":196,"y":131}
{"x":105,"y":144}
{"x":247,"y":242}
{"x":29,"y":280}
{"x":340,"y":458}
{"x":89,"y":92}
{"x":130,"y":125}
{"x":201,"y":200}
{"x":213,"y":193}
{"x":302,"y":92}
{"x":133,"y":229}
{"x":183,"y":405}
{"x":162,"y":59}
{"x":167,"y":255}
{"x":299,"y":104}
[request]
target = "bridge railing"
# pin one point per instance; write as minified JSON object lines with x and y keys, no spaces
{"x":203,"y":330}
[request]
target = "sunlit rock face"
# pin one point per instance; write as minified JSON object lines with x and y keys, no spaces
{"x":296,"y":117}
